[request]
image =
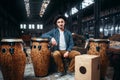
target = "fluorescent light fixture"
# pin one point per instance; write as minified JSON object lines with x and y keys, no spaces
{"x":74,"y":10}
{"x":66,"y":15}
{"x":43,"y":7}
{"x":101,"y":29}
{"x":33,"y":26}
{"x":86,"y":3}
{"x":30,"y":26}
{"x":39,"y":26}
{"x":27,"y":7}
{"x":22,"y":26}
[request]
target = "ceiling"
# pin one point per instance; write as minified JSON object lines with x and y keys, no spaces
{"x":16,"y":8}
{"x":59,"y":7}
{"x":105,"y":4}
{"x":54,"y":8}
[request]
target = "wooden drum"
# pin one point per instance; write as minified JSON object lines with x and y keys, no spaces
{"x":40,"y":55}
{"x":12,"y":59}
{"x":99,"y":47}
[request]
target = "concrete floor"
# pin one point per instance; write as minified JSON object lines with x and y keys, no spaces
{"x":29,"y":75}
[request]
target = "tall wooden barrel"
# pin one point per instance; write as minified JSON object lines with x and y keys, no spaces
{"x":40,"y":55}
{"x":12,"y":59}
{"x":99,"y":47}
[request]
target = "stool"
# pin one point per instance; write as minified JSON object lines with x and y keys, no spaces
{"x":66,"y":63}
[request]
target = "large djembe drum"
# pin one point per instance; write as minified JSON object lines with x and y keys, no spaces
{"x":12,"y":59}
{"x":40,"y":55}
{"x":99,"y":47}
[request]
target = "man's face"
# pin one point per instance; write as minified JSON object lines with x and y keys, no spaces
{"x":61,"y":23}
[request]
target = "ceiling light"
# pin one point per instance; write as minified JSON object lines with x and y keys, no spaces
{"x":86,"y":3}
{"x":43,"y":7}
{"x":27,"y":7}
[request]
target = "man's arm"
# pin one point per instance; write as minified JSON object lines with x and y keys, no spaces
{"x":48,"y":35}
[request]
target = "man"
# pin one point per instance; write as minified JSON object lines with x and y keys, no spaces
{"x":62,"y":42}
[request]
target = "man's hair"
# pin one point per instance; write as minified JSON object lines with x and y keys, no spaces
{"x":58,"y":17}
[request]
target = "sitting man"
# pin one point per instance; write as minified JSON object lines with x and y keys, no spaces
{"x":62,"y":42}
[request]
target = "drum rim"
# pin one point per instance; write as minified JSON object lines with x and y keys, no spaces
{"x":39,"y":39}
{"x":11,"y":40}
{"x":99,"y":40}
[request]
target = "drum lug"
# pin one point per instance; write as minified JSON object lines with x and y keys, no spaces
{"x":24,"y":49}
{"x":39,"y":47}
{"x":98,"y":48}
{"x":49,"y":47}
{"x":11,"y":51}
{"x":3,"y":50}
{"x":12,"y":44}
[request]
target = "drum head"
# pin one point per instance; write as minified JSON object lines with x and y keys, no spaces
{"x":99,"y":40}
{"x":40,"y":39}
{"x":11,"y":40}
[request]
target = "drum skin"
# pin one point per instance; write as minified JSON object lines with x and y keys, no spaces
{"x":40,"y":55}
{"x":12,"y":65}
{"x":100,"y":47}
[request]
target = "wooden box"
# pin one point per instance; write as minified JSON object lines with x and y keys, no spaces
{"x":87,"y":67}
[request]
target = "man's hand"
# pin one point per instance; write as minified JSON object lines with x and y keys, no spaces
{"x":53,"y":41}
{"x":66,"y":54}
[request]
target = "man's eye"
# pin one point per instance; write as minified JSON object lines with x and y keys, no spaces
{"x":61,"y":21}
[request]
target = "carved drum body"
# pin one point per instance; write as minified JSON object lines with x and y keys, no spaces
{"x":99,"y":47}
{"x":40,"y":55}
{"x":12,"y":59}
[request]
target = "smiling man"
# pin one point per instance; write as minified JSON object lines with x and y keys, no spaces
{"x":62,"y":42}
